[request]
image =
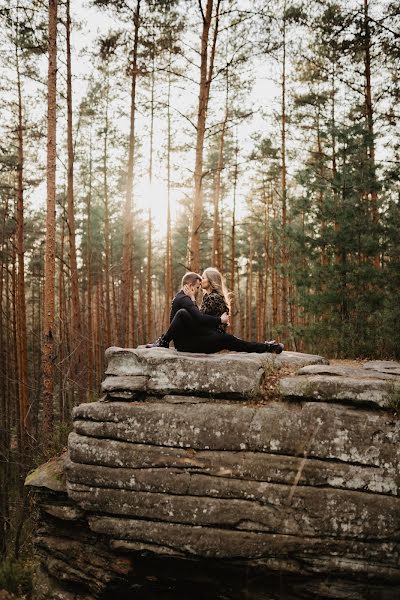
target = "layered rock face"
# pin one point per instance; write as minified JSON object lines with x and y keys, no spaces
{"x":228,"y":471}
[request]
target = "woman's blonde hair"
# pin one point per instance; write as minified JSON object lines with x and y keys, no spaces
{"x":217,"y":284}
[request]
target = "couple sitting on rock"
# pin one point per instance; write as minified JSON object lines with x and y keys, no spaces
{"x":203,"y":330}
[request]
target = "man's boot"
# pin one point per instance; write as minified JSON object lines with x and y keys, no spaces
{"x":161,"y":342}
{"x":274,"y":347}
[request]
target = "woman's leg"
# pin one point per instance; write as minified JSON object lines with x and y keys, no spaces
{"x":214,"y":342}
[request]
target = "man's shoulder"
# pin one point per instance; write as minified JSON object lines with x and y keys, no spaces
{"x":180,"y":298}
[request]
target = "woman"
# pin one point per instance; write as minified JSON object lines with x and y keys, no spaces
{"x":216,"y":300}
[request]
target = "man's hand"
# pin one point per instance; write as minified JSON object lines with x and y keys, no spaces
{"x":225,"y":318}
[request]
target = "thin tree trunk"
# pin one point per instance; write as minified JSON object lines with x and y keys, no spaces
{"x":107,"y":240}
{"x":370,"y":122}
{"x":24,"y":414}
{"x":61,"y":326}
{"x":128,"y":213}
{"x":249,"y":303}
{"x":284,"y":298}
{"x":265,"y":316}
{"x":4,"y":393}
{"x":76,"y":338}
{"x":324,"y":259}
{"x":206,"y":73}
{"x":149,"y":332}
{"x":233,"y":241}
{"x":48,"y":352}
{"x":274,"y":278}
{"x":217,"y":252}
{"x":141,"y":315}
{"x":168,"y":254}
{"x":90,"y":345}
{"x":334,"y":161}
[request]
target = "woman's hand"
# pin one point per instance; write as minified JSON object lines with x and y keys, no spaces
{"x":189,"y":292}
{"x":225,"y":319}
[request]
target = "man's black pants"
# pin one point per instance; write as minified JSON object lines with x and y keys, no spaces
{"x":189,"y":338}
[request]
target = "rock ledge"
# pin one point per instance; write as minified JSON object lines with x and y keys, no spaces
{"x":182,"y":475}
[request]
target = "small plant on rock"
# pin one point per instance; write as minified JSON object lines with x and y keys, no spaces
{"x":393,"y":398}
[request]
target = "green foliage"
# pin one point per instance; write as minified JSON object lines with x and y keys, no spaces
{"x":16,"y":577}
{"x":393,"y":399}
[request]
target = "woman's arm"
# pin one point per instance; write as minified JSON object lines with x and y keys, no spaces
{"x":212,"y":320}
{"x":214,"y":304}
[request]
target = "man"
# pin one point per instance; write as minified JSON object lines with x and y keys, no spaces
{"x":193,"y":331}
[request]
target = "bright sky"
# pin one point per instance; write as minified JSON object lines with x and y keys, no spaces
{"x":95,"y":23}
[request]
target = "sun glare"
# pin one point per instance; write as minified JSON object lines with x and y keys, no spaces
{"x":154,"y":196}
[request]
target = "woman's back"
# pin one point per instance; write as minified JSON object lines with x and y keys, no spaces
{"x":214,"y":304}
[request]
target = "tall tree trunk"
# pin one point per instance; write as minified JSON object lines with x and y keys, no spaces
{"x":63,"y":353}
{"x":274,"y":276}
{"x":267,"y":197}
{"x":249,"y":303}
{"x":128,"y":213}
{"x":107,"y":240}
{"x":48,"y":352}
{"x":206,"y":73}
{"x":370,"y":122}
{"x":148,"y":279}
{"x":233,"y":241}
{"x":336,"y":195}
{"x":5,"y":427}
{"x":168,"y":253}
{"x":323,"y":258}
{"x":24,"y":414}
{"x":77,"y":353}
{"x":90,"y":346}
{"x":284,"y":298}
{"x":141,"y":315}
{"x":217,"y":251}
{"x":149,"y":316}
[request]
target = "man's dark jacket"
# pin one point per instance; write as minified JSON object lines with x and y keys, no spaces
{"x":201,"y":323}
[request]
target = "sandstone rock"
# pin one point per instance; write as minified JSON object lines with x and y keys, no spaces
{"x":49,"y":475}
{"x":48,"y":588}
{"x":82,"y":563}
{"x":250,"y":506}
{"x":125,"y":383}
{"x":276,"y":552}
{"x":98,"y":461}
{"x":184,"y":477}
{"x":235,"y":374}
{"x":383,"y":366}
{"x":343,"y":371}
{"x":317,"y":429}
{"x":65,"y":512}
{"x":333,"y":388}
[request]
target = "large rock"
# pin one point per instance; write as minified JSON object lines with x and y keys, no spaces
{"x":194,"y":470}
{"x":49,"y":476}
{"x":324,"y":431}
{"x":376,"y":384}
{"x":159,"y":370}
